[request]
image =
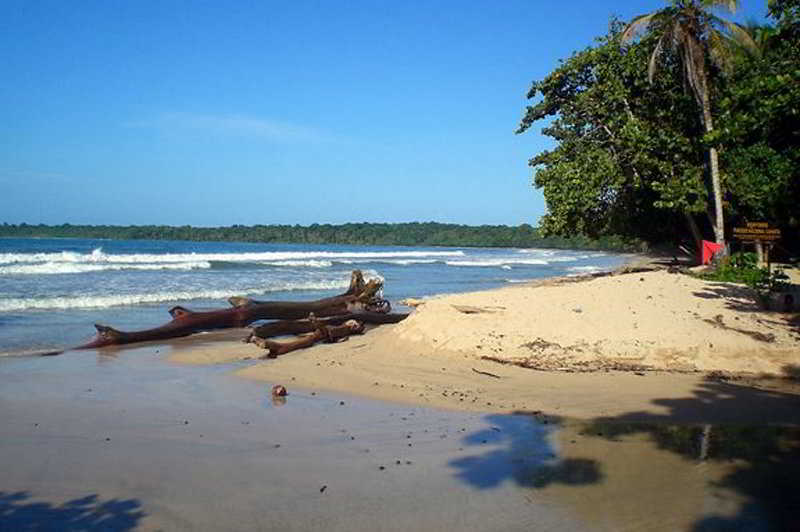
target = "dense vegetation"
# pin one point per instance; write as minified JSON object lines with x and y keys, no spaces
{"x":376,"y":234}
{"x":634,"y":150}
{"x":743,"y":268}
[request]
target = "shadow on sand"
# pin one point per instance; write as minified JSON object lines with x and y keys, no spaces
{"x":525,"y":455}
{"x":18,"y":512}
{"x":754,"y":434}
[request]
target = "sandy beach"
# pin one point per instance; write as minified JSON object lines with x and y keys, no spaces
{"x":409,"y":426}
{"x":587,"y":347}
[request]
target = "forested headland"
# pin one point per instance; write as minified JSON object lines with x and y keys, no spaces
{"x":373,"y":234}
{"x":674,"y":127}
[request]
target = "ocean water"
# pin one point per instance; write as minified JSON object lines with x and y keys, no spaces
{"x":53,"y":290}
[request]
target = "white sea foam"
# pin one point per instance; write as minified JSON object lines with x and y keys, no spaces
{"x":587,"y":269}
{"x":54,"y":268}
{"x":98,"y":256}
{"x":116,"y":300}
{"x":400,"y":262}
{"x":498,"y":262}
{"x":301,"y":263}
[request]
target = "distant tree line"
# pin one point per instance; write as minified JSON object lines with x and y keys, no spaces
{"x":371,"y":234}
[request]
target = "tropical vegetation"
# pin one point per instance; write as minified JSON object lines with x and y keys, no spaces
{"x":678,"y":123}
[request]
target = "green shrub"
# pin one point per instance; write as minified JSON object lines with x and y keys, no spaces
{"x":743,"y":268}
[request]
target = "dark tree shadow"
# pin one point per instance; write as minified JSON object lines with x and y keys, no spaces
{"x":18,"y":513}
{"x":526,"y":458}
{"x":740,"y":298}
{"x":756,"y":430}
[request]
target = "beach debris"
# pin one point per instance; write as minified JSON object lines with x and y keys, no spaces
{"x":329,"y":334}
{"x":323,"y":488}
{"x":467,"y":309}
{"x":479,"y":372}
{"x":330,"y":328}
{"x":279,"y":391}
{"x":362,"y":301}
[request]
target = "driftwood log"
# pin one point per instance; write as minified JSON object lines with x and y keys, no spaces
{"x":287,"y":327}
{"x":361,"y":301}
{"x":322,"y":332}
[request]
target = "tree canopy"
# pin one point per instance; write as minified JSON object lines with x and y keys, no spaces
{"x":631,"y":157}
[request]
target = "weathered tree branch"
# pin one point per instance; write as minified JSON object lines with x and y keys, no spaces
{"x":286,"y":327}
{"x":360,"y":297}
{"x":322,"y":332}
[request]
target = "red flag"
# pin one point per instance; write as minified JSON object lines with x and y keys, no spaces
{"x":709,"y":248}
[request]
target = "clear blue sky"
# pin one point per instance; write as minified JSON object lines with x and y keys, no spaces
{"x":219,"y":113}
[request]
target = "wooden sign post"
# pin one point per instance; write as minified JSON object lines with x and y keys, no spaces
{"x":759,"y":233}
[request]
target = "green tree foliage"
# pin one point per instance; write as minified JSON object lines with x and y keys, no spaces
{"x":628,"y":159}
{"x":631,"y":155}
{"x":375,"y":234}
{"x":760,"y":108}
{"x":693,"y":34}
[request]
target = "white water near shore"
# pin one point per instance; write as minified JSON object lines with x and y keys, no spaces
{"x":53,"y":290}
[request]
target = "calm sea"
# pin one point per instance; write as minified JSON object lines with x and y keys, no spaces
{"x":53,"y":290}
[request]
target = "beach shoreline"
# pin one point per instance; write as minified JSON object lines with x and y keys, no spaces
{"x":599,"y":346}
{"x":392,"y":430}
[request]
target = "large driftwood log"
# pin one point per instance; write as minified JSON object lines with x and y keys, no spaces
{"x":322,"y":332}
{"x":287,"y":327}
{"x":360,"y":297}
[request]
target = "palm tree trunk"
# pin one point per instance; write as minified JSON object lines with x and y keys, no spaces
{"x":713,"y":161}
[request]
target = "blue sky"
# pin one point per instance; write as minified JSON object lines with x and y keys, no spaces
{"x":219,"y":113}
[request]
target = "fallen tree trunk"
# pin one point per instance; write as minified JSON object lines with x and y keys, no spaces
{"x":286,"y":327}
{"x":322,"y":332}
{"x":360,"y":297}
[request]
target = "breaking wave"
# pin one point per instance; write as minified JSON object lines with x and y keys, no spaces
{"x":99,"y":257}
{"x":117,"y":300}
{"x":498,"y":262}
{"x":585,"y":269}
{"x":89,"y":301}
{"x":54,"y":268}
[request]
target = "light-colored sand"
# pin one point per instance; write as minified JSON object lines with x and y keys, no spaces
{"x":652,"y":320}
{"x":608,"y":346}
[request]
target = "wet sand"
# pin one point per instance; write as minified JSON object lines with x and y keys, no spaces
{"x":378,"y":366}
{"x":125,"y":440}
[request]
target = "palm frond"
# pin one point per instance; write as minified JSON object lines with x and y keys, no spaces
{"x":638,"y":24}
{"x":740,"y":36}
{"x":654,"y":57}
{"x":729,"y":5}
{"x":719,"y":50}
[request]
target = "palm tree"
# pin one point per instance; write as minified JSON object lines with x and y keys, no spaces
{"x":694,"y":34}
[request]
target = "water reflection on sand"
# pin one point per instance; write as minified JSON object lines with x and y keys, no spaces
{"x":619,"y":475}
{"x":127,"y":440}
